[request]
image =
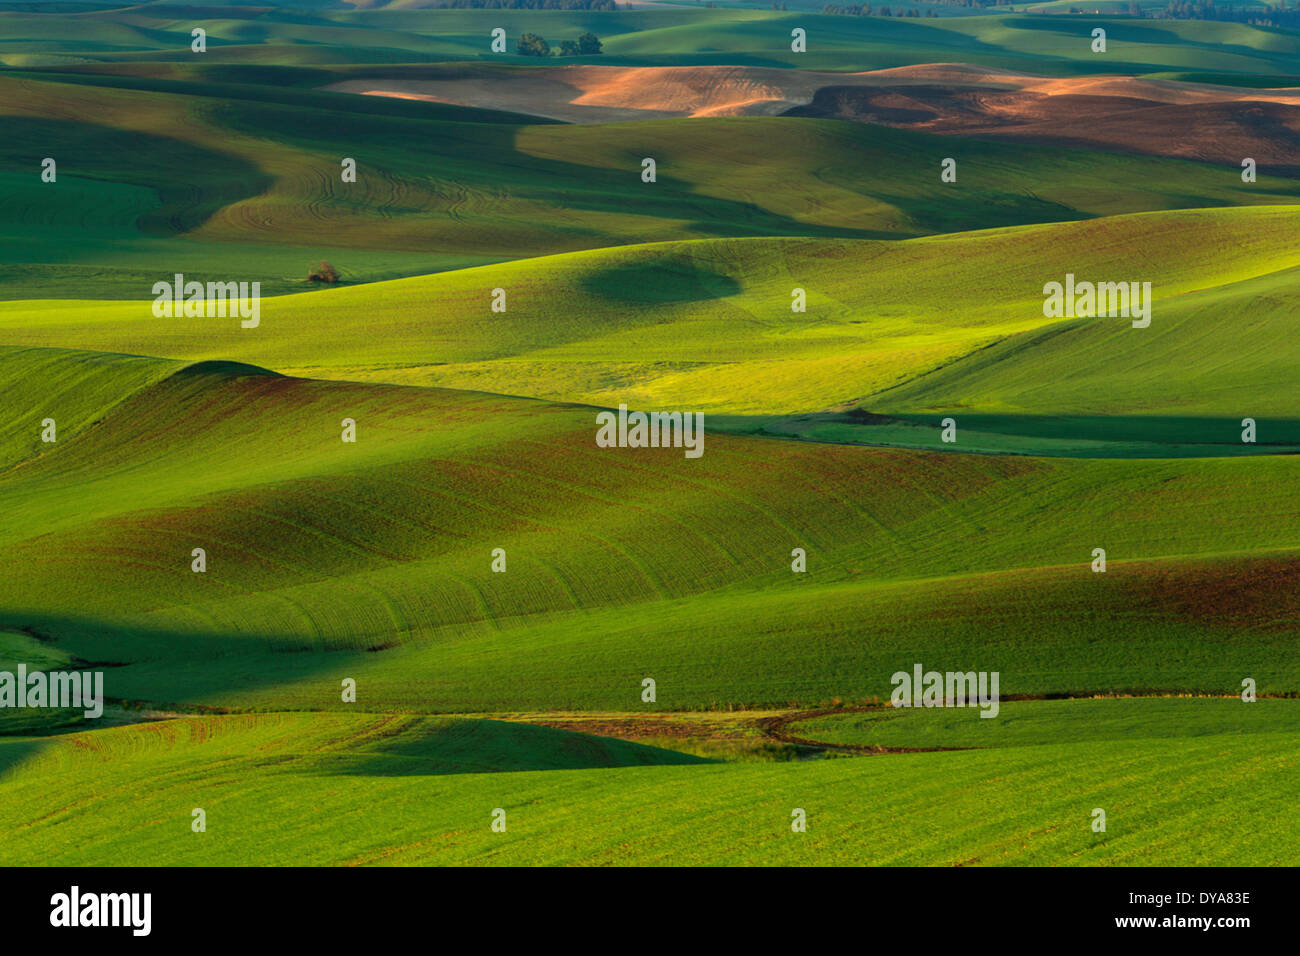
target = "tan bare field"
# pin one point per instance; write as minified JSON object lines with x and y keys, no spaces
{"x":602,"y":94}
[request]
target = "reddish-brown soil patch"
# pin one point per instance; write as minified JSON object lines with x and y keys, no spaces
{"x":1260,"y":594}
{"x":1219,"y":132}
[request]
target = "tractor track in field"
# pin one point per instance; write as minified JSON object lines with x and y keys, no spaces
{"x":774,"y":728}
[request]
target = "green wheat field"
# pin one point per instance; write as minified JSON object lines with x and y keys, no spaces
{"x":496,"y":587}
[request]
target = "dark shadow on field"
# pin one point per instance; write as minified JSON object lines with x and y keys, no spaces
{"x":453,"y":161}
{"x":486,"y":159}
{"x":286,"y":85}
{"x":1065,"y":436}
{"x":162,"y":670}
{"x":192,"y":183}
{"x":677,"y":200}
{"x":41,"y":721}
{"x":14,"y":752}
{"x":659,"y":280}
{"x":223,"y":367}
{"x":171,"y":668}
{"x":440,"y":746}
{"x":601,"y":190}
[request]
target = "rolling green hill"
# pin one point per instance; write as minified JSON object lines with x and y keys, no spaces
{"x":373,"y":560}
{"x":183,"y":513}
{"x":907,"y":330}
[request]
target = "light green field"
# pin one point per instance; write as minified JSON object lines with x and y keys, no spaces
{"x":1039,"y":722}
{"x":912,"y":330}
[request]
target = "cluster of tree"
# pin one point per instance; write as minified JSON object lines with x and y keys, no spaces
{"x":523,"y":4}
{"x":530,"y":44}
{"x":865,"y":10}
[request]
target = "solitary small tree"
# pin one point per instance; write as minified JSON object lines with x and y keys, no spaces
{"x":589,"y":44}
{"x":323,"y":273}
{"x":530,"y":44}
